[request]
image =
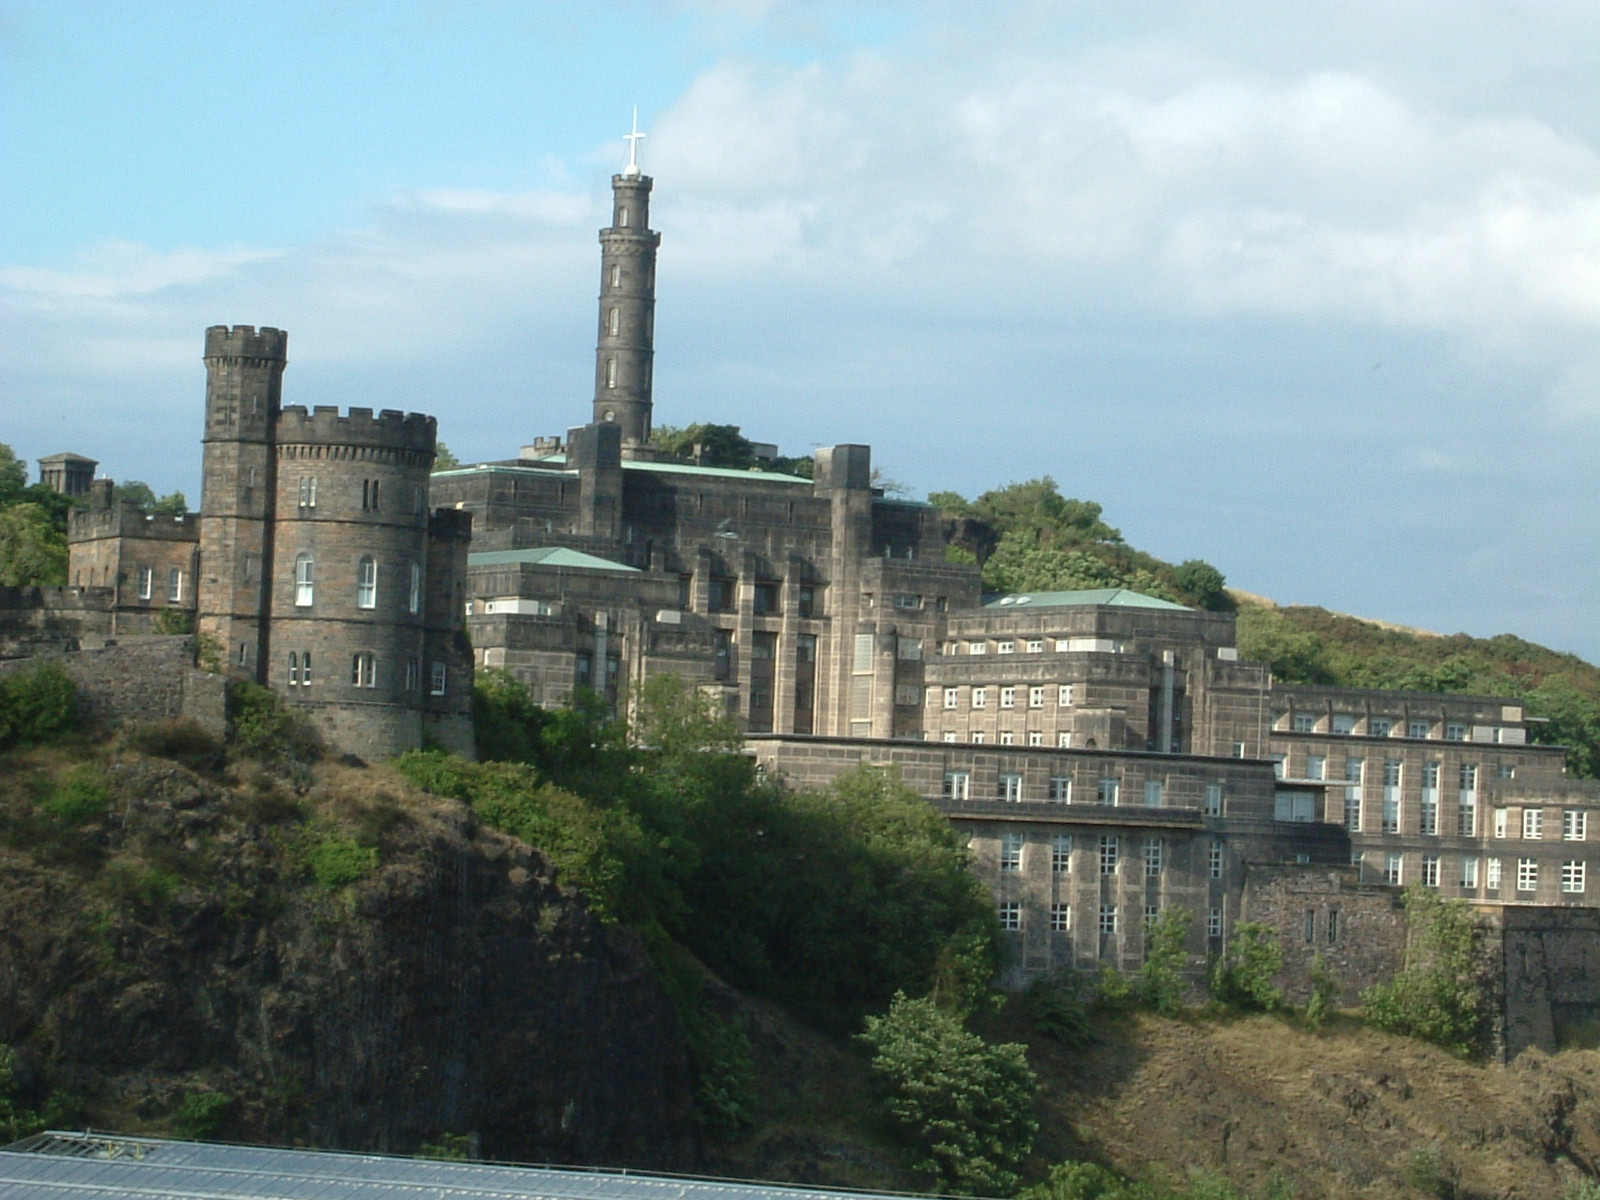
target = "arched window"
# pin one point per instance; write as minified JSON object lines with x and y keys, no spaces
{"x":414,"y":600}
{"x":367,"y":583}
{"x":611,"y":372}
{"x":304,"y":584}
{"x":614,"y":322}
{"x":622,"y":215}
{"x":294,"y":669}
{"x":616,"y":275}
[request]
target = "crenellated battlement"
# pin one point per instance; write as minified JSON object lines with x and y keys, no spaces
{"x":389,"y":429}
{"x":124,"y":520}
{"x":246,"y":341}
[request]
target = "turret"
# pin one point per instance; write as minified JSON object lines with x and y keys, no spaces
{"x":244,"y":381}
{"x":625,"y":348}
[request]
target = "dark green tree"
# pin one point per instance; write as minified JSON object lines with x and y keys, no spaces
{"x":964,"y":1105}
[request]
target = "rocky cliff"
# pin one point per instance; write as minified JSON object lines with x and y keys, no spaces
{"x":334,"y":959}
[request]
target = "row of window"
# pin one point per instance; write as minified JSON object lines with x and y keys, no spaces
{"x":1574,"y":824}
{"x":1006,"y":737}
{"x":1352,"y":723}
{"x":1008,"y":695}
{"x":1010,"y":915}
{"x":1393,"y":771}
{"x":371,"y":494}
{"x":147,"y":583}
{"x":1012,"y":846}
{"x":1060,"y":645}
{"x":1058,"y":790}
{"x":1574,"y":873}
{"x":305,"y":583}
{"x":364,"y":672}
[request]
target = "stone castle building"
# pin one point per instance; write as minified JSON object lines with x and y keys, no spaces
{"x":1108,"y":755}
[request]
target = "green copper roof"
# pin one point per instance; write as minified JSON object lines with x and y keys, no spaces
{"x":1113,"y":597}
{"x":547,"y":556}
{"x":558,"y":462}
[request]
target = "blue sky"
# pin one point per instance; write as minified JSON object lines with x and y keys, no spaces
{"x":1309,"y":291}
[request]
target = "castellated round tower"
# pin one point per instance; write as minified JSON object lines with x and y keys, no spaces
{"x":347,"y":592}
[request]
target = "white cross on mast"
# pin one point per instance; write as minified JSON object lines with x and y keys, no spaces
{"x":633,"y":144}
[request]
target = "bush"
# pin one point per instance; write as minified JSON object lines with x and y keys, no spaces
{"x":1435,"y":996}
{"x":337,"y":861}
{"x":182,"y":741}
{"x":201,"y":1114}
{"x":79,"y":796}
{"x":1243,"y":976}
{"x":36,"y":707}
{"x":260,"y":723}
{"x":1324,"y":993}
{"x":1160,"y":982}
{"x":966,"y":1105}
{"x":1058,"y":1005}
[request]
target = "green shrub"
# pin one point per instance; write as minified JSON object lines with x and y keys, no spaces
{"x":79,"y":796}
{"x":260,"y":723}
{"x":182,"y":741}
{"x":338,"y":861}
{"x":1057,"y":1003}
{"x":456,"y":1147}
{"x":965,"y":1105}
{"x":173,"y":621}
{"x":141,"y":887}
{"x":36,"y":707}
{"x":1324,"y":993}
{"x":1160,"y":982}
{"x":1435,"y":996}
{"x":201,"y":1114}
{"x":1243,"y":977}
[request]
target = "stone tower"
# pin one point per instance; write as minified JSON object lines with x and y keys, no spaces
{"x":625,"y":348}
{"x":244,"y":381}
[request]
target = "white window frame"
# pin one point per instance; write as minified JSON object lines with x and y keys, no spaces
{"x":147,"y":582}
{"x":980,"y":697}
{"x":1492,"y":874}
{"x":1065,"y":694}
{"x":1036,"y":697}
{"x":1108,"y":791}
{"x":1008,"y":787}
{"x":1573,"y":876}
{"x":414,"y":597}
{"x":1060,"y":789}
{"x":958,"y":786}
{"x":1533,"y":824}
{"x":1527,"y":874}
{"x":305,"y":580}
{"x":1061,"y":854}
{"x":367,"y":582}
{"x":1060,"y":917}
{"x":1469,"y":871}
{"x":364,"y":669}
{"x":1011,"y":848}
{"x":1574,"y":825}
{"x":1154,"y":855}
{"x":952,"y":697}
{"x":1008,"y":697}
{"x":1213,"y":800}
{"x":439,"y":677}
{"x":1110,"y":853}
{"x":1009,"y":914}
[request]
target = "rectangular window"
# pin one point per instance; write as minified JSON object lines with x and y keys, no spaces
{"x":1279,"y":767}
{"x":1502,"y":823}
{"x":1380,"y":727}
{"x":907,"y":695}
{"x":1430,"y":870}
{"x":979,"y":737}
{"x":413,"y":675}
{"x":1010,"y":914}
{"x":1572,"y":873}
{"x":1430,"y":798}
{"x":952,"y":697}
{"x":1574,"y":825}
{"x":1316,"y":766}
{"x":1035,"y":646}
{"x":1153,"y":852}
{"x":1214,"y":923}
{"x":1527,"y":874}
{"x":367,"y":584}
{"x":977,"y":647}
{"x":1507,"y":771}
{"x":1108,"y":918}
{"x":437,"y":678}
{"x":1035,"y":737}
{"x":1109,"y":792}
{"x":1467,"y":800}
{"x":1006,"y":648}
{"x":1214,"y":860}
{"x":1108,"y":854}
{"x":1036,"y":697}
{"x":1305,"y":722}
{"x":1454,"y":732}
{"x":1391,"y":795}
{"x":1344,"y":723}
{"x":863,"y":655}
{"x":1533,"y":824}
{"x":1008,"y":786}
{"x":1007,"y":738}
{"x":1064,"y":740}
{"x":1418,"y":729}
{"x":906,"y":600}
{"x":980,"y":697}
{"x":1492,"y":875}
{"x":949,"y":735}
{"x":1008,"y":697}
{"x":1061,"y":854}
{"x":1309,"y":931}
{"x":1213,"y":799}
{"x":1394,"y":869}
{"x":1469,"y":871}
{"x":1060,"y":789}
{"x":1060,"y":918}
{"x":363,"y":670}
{"x":1011,"y":851}
{"x":908,"y":649}
{"x":957,"y":785}
{"x":1155,"y":792}
{"x":1333,"y":926}
{"x":146,"y":582}
{"x":174,"y":585}
{"x":1353,"y":769}
{"x":1064,"y":694}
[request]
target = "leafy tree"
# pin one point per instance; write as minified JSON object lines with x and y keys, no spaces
{"x":721,"y":445}
{"x":1160,"y":982}
{"x":1086,"y":1181}
{"x":1243,"y":977}
{"x":13,"y":472}
{"x":965,"y":1105}
{"x":1436,"y":995}
{"x":443,"y":459}
{"x":1201,"y":584}
{"x":1324,"y":993}
{"x":38,"y":706}
{"x":1058,"y":1004}
{"x":1295,"y":656}
{"x":137,"y":494}
{"x":33,"y":551}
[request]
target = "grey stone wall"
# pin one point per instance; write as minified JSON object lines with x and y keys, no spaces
{"x":1359,"y":929}
{"x":1548,"y":965}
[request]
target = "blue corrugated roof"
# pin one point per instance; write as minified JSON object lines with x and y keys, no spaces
{"x":1114,"y":597}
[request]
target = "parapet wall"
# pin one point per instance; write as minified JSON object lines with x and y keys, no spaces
{"x":389,"y":429}
{"x":1548,"y":964}
{"x":137,"y":679}
{"x":127,"y":521}
{"x":246,"y":341}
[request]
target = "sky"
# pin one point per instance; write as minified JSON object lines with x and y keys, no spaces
{"x":1309,"y":291}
